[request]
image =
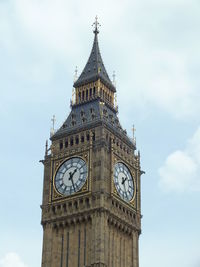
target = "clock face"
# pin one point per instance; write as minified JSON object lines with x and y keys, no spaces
{"x":123,"y":181}
{"x":71,"y":176}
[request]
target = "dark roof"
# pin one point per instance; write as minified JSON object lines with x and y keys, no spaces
{"x":94,"y":69}
{"x":87,"y":116}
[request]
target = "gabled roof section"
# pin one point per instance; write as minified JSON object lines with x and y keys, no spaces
{"x":95,"y":69}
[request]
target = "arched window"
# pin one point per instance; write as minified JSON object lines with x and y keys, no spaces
{"x":77,"y":140}
{"x":72,"y":142}
{"x":82,"y":138}
{"x":61,"y":144}
{"x":93,"y":136}
{"x":87,"y":94}
{"x":66,"y":143}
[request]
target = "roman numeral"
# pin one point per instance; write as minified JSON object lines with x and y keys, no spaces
{"x":82,"y":166}
{"x":64,"y":189}
{"x":60,"y":185}
{"x":78,"y":161}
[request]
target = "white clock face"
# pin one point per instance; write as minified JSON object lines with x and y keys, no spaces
{"x":123,"y":182}
{"x":71,"y":176}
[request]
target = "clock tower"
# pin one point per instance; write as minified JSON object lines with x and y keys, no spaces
{"x":91,"y":213}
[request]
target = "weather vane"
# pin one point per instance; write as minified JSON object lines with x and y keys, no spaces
{"x":96,"y":25}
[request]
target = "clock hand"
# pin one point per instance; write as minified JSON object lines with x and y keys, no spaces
{"x":124,"y":179}
{"x":125,"y":190}
{"x":73,"y":184}
{"x":71,"y":174}
{"x":74,"y":172}
{"x":123,"y":183}
{"x":71,"y":179}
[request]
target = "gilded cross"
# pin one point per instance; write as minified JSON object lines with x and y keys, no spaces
{"x":96,"y":25}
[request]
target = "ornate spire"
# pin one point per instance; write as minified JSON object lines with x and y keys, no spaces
{"x":94,"y":68}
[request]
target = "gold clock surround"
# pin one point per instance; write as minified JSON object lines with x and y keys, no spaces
{"x":133,"y":174}
{"x":55,"y":165}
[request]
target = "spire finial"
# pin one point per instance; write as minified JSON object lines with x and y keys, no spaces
{"x":53,"y":125}
{"x":114,"y":78}
{"x":53,"y":121}
{"x":133,"y":129}
{"x":76,"y":74}
{"x":46,"y":148}
{"x":96,"y":25}
{"x":134,"y":138}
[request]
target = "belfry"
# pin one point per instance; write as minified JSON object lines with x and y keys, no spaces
{"x":91,"y":213}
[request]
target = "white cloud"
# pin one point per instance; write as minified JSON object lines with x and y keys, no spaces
{"x":12,"y":260}
{"x":162,"y":80}
{"x":181,"y":170}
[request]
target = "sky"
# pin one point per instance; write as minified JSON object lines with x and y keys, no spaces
{"x":153,"y":47}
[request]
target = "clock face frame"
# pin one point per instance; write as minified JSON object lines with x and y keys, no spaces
{"x":71,"y":176}
{"x":124,"y":182}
